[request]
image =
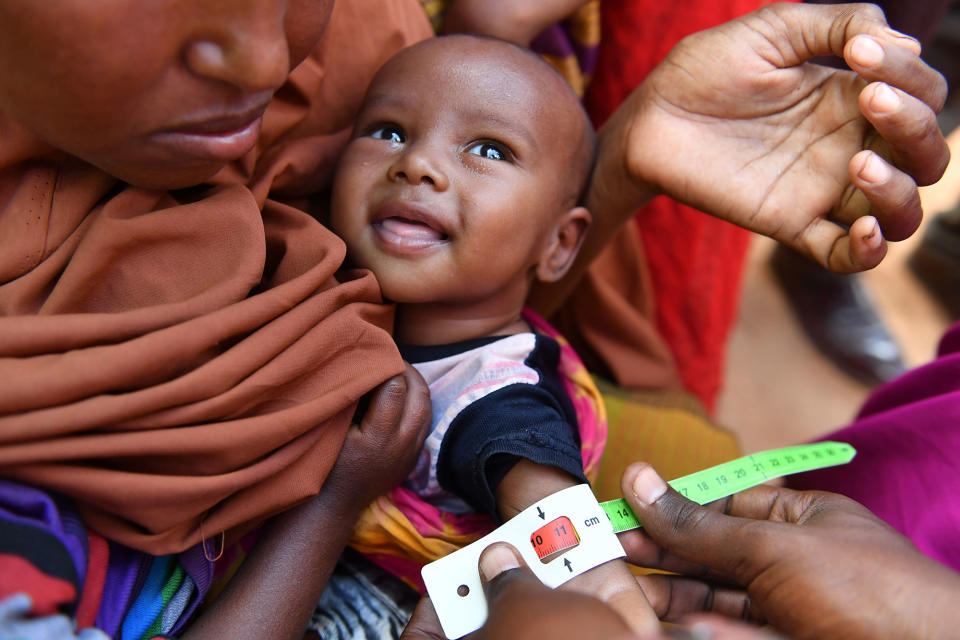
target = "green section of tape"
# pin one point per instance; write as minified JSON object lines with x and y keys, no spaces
{"x":730,"y":477}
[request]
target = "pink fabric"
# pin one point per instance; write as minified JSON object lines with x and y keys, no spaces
{"x":907,"y":438}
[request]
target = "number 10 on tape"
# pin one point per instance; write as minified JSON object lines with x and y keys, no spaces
{"x":568,"y":532}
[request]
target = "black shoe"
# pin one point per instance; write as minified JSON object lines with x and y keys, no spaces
{"x":937,"y":260}
{"x":838,"y":316}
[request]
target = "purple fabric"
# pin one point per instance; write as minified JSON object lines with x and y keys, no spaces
{"x":907,"y":469}
{"x":556,"y":41}
{"x":126,"y":571}
{"x":27,"y":505}
{"x":553,"y":41}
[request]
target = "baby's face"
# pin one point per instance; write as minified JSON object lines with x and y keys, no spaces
{"x":159,"y":94}
{"x":460,"y":162}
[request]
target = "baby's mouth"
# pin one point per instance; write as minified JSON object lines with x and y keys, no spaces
{"x":405,"y":234}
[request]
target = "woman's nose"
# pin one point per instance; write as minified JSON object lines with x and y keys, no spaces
{"x":420,"y":165}
{"x":246,"y":46}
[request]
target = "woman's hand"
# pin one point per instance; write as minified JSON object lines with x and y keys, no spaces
{"x":278,"y":585}
{"x":736,"y":122}
{"x":812,"y":564}
{"x":380,"y":451}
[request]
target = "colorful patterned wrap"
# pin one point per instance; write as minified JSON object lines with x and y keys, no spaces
{"x":569,"y":46}
{"x":401,"y":533}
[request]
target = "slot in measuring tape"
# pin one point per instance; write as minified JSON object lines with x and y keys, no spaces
{"x":568,"y":534}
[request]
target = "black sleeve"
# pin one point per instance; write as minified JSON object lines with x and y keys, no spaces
{"x":520,"y":421}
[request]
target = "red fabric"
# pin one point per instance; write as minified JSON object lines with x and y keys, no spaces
{"x":695,"y":261}
{"x":17,"y":574}
{"x":93,"y":584}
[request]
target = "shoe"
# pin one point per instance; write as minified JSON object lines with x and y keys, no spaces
{"x":837,"y":314}
{"x":936,"y":262}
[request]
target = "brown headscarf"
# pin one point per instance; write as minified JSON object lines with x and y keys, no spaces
{"x":187,"y":363}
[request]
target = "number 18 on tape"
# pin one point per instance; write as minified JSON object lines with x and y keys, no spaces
{"x":570,"y":533}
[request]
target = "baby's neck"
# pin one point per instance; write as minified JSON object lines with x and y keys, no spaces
{"x":431,"y":324}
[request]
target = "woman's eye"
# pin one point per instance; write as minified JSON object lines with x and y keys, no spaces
{"x":489,"y":150}
{"x":390,"y":133}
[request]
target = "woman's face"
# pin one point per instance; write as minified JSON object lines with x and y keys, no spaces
{"x":159,"y":93}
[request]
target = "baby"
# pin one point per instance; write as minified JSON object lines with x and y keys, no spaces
{"x":459,"y":189}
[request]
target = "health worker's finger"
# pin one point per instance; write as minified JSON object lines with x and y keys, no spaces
{"x":910,"y":129}
{"x":522,"y":608}
{"x":424,"y":624}
{"x":880,"y":58}
{"x":736,"y":547}
{"x":832,"y":245}
{"x":891,"y":197}
{"x":675,"y":597}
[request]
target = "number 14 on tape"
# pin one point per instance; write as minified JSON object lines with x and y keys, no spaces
{"x":569,"y":532}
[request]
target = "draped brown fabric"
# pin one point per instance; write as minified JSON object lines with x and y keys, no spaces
{"x":609,"y":318}
{"x":187,"y":363}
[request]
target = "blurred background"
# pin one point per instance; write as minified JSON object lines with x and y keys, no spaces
{"x":767,"y":404}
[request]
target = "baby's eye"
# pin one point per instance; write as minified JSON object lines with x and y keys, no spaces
{"x":490,"y":150}
{"x":388,"y":132}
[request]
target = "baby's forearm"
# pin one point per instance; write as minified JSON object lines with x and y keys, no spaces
{"x":611,"y":582}
{"x":526,"y":483}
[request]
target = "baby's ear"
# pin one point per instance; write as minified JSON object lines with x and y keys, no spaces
{"x":565,"y":239}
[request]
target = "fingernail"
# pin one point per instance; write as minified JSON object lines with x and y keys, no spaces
{"x":648,"y":486}
{"x":885,"y":99}
{"x":900,"y":34}
{"x":866,"y":51}
{"x":496,"y":560}
{"x":874,"y":170}
{"x":875,"y":237}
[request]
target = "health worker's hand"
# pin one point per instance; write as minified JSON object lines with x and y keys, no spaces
{"x":809,"y":563}
{"x":520,"y":607}
{"x":737,"y":122}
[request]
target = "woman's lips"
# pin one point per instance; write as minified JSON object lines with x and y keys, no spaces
{"x":207,"y":143}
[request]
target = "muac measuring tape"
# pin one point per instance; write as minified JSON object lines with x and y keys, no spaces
{"x":569,"y":532}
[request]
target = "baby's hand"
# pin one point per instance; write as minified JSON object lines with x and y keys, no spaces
{"x":380,"y":451}
{"x":611,"y":582}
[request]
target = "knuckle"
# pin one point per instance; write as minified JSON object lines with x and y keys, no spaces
{"x":687,"y":517}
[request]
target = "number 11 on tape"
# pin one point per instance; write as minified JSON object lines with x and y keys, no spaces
{"x":569,"y":532}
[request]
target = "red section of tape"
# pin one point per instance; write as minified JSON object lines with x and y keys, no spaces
{"x":554,"y":537}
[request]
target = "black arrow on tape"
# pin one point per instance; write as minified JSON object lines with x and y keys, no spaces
{"x":566,"y":562}
{"x":541,"y":514}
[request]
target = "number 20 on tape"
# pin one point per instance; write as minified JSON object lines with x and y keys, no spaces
{"x":571,"y":525}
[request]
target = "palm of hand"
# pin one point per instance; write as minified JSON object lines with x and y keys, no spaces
{"x":751,"y":137}
{"x":851,"y":549}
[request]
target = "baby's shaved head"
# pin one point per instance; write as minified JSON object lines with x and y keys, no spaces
{"x":561,"y":113}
